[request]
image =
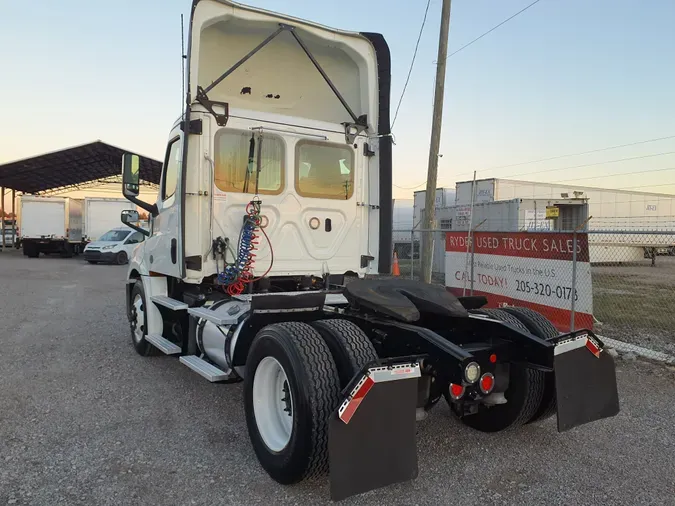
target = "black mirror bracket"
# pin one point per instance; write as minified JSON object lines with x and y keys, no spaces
{"x":151,"y":208}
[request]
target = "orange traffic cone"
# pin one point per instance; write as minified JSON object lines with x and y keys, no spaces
{"x":395,"y":269}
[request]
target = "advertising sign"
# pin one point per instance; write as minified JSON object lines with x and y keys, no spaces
{"x":552,"y":212}
{"x":524,"y":269}
{"x":537,"y":220}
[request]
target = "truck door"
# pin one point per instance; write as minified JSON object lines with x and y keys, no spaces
{"x":162,"y":247}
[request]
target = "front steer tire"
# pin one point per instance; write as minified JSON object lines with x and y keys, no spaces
{"x":524,"y":394}
{"x":314,"y":386}
{"x":139,"y":321}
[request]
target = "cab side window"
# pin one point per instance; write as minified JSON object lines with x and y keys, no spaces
{"x":172,"y":166}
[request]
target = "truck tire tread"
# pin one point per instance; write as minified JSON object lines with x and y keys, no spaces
{"x":539,"y":325}
{"x":142,"y":347}
{"x":525,"y":382}
{"x":349,"y":345}
{"x":315,"y":381}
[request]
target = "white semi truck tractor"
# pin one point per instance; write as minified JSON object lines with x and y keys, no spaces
{"x":272,"y":222}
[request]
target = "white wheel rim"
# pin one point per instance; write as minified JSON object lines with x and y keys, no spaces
{"x":272,"y":402}
{"x":140,"y":318}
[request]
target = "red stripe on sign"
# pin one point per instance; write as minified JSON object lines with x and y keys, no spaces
{"x":358,"y":397}
{"x":521,"y":244}
{"x":557,"y":316}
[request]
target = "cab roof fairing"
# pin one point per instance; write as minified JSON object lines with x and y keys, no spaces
{"x":334,"y":49}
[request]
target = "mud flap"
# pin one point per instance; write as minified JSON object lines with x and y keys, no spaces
{"x":372,"y":436}
{"x":585,"y":381}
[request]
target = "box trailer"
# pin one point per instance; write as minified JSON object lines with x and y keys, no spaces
{"x":611,"y":209}
{"x":102,"y":214}
{"x":50,"y":225}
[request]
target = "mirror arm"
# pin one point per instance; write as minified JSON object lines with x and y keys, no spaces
{"x":151,"y":208}
{"x":138,"y":229}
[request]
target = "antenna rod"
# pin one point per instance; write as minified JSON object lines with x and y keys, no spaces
{"x":182,"y":60}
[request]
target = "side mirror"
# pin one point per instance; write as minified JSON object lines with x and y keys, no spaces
{"x":131,"y":183}
{"x":130,"y":218}
{"x":131,"y":175}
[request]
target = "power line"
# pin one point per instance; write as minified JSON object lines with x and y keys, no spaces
{"x":643,"y":186}
{"x":409,"y":187}
{"x":557,"y":157}
{"x":614,"y":175}
{"x":412,"y":63}
{"x":493,"y":29}
{"x":576,"y":154}
{"x":588,"y":165}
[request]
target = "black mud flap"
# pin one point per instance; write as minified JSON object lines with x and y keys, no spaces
{"x":372,"y":436}
{"x":585,"y":381}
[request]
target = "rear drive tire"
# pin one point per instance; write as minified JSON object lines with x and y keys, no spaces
{"x":31,"y":251}
{"x":524,"y":394}
{"x":138,"y":321}
{"x":121,"y":258}
{"x":538,"y":325}
{"x":349,"y":345}
{"x":67,"y":251}
{"x":290,"y":373}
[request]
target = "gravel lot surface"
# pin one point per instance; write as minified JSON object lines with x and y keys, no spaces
{"x":85,"y":420}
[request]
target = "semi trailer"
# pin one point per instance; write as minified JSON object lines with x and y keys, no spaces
{"x":261,"y":263}
{"x":102,"y":214}
{"x":50,"y":225}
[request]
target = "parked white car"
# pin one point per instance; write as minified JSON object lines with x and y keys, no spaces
{"x":115,"y":246}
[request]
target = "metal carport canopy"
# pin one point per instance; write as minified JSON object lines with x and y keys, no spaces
{"x":73,"y":168}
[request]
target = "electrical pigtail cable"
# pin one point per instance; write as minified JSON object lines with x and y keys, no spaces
{"x":237,"y":275}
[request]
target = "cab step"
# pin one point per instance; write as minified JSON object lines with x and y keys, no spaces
{"x":172,"y":304}
{"x":164,"y":345}
{"x":204,"y":369}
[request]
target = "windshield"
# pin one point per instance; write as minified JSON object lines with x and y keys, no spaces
{"x":114,"y":235}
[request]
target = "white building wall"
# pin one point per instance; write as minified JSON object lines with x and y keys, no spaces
{"x":610,"y":209}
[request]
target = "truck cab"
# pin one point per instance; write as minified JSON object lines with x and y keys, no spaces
{"x":290,"y":116}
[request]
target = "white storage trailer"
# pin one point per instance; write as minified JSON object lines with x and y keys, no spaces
{"x":610,"y":209}
{"x":103,"y":214}
{"x":50,"y":225}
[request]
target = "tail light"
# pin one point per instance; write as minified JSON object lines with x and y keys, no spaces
{"x":487,"y":383}
{"x":456,"y":391}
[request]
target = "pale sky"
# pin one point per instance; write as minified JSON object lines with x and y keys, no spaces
{"x":563,"y":77}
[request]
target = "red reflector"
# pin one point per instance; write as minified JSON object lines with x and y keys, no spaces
{"x":493,"y":358}
{"x":356,"y":400}
{"x":487,"y":383}
{"x":456,"y":391}
{"x":595,"y":350}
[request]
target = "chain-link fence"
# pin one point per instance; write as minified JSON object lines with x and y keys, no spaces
{"x":619,"y":282}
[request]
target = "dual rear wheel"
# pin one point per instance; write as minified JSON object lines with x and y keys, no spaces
{"x":531,"y":393}
{"x":294,"y":374}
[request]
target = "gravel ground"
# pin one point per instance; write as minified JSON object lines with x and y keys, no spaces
{"x":85,"y":420}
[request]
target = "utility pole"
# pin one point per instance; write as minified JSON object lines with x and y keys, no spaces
{"x":434,"y":146}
